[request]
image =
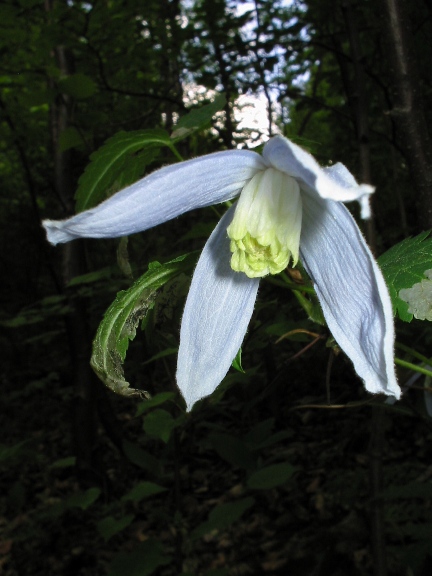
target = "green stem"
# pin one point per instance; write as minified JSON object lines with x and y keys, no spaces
{"x":414,"y":353}
{"x":413,"y":367}
{"x":176,"y":152}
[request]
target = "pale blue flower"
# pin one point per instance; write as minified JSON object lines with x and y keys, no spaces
{"x":290,"y":208}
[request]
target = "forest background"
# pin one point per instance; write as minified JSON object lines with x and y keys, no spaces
{"x":290,"y":467}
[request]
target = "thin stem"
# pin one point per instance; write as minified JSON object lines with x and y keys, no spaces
{"x":413,"y":367}
{"x":414,"y":353}
{"x":176,"y":153}
{"x":291,"y":285}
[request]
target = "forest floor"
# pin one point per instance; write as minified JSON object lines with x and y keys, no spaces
{"x":238,"y":487}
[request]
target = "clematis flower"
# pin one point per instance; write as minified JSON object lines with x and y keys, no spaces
{"x":289,"y":208}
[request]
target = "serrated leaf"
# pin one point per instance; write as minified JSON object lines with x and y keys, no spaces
{"x":270,"y":476}
{"x":121,"y":319}
{"x":223,"y":516}
{"x":198,"y":118}
{"x":117,"y":164}
{"x":403,"y":266}
{"x":143,"y":490}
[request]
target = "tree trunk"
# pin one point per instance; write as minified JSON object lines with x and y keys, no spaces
{"x":73,"y":264}
{"x":359,"y":106}
{"x":408,"y":108}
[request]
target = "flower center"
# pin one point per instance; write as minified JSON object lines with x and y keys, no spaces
{"x":265,"y":230}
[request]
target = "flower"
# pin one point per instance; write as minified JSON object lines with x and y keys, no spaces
{"x":289,"y":207}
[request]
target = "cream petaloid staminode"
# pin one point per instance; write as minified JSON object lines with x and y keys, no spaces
{"x":265,"y":230}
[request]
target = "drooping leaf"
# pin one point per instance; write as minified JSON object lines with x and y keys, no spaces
{"x":118,"y":163}
{"x":271,"y":476}
{"x":121,"y":319}
{"x":198,"y":118}
{"x":403,"y":266}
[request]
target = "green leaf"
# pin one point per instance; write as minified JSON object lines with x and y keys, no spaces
{"x":123,"y":257}
{"x":410,"y":490}
{"x":198,"y":118}
{"x":70,"y":138}
{"x":143,"y":490}
{"x":121,"y":319}
{"x":78,"y":86}
{"x":403,"y":266}
{"x":161,"y":354}
{"x":118,"y":163}
{"x":236,"y":363}
{"x":141,"y":458}
{"x":142,"y":561}
{"x":64,"y":462}
{"x":270,"y":476}
{"x":259,"y":433}
{"x":82,"y":499}
{"x":311,"y":306}
{"x":156,"y":400}
{"x":90,"y":277}
{"x":223,"y":516}
{"x":110,"y":526}
{"x":159,"y":424}
{"x":21,"y":450}
{"x":233,"y":450}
